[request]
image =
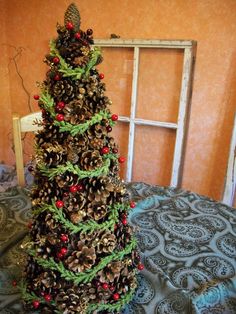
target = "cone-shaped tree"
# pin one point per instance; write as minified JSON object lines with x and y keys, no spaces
{"x":82,"y":255}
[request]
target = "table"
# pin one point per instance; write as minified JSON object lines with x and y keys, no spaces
{"x":187,"y":244}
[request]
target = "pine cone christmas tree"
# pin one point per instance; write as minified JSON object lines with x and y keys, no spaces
{"x":82,"y":252}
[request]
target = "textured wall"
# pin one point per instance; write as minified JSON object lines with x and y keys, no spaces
{"x":30,"y":24}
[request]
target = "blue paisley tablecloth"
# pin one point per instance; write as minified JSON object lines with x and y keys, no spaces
{"x":187,"y":244}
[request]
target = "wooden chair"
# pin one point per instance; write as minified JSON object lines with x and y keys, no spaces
{"x":230,"y":181}
{"x":20,"y":125}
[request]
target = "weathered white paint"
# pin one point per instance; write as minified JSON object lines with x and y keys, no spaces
{"x":230,"y":182}
{"x":144,"y":43}
{"x":132,"y":115}
{"x":24,"y":124}
{"x":27,"y":122}
{"x":184,"y":104}
{"x":189,"y":48}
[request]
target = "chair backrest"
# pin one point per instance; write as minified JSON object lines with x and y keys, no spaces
{"x":20,"y":125}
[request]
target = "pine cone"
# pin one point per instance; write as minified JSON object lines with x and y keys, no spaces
{"x":50,"y":134}
{"x":64,"y":180}
{"x":123,"y":235}
{"x":53,"y":154}
{"x":63,"y":38}
{"x":110,"y":272}
{"x":44,"y":192}
{"x":72,"y":15}
{"x":91,"y":160}
{"x":77,"y":217}
{"x":76,"y":202}
{"x":63,"y":90}
{"x":81,"y":260}
{"x":127,"y":281}
{"x":98,"y":131}
{"x":71,"y":51}
{"x":96,"y":143}
{"x":51,"y":222}
{"x":85,"y":50}
{"x":99,"y":189}
{"x":72,"y":301}
{"x":75,"y":112}
{"x":80,"y":61}
{"x":107,"y":242}
{"x":96,"y":211}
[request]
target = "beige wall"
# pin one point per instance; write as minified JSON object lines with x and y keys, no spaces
{"x":30,"y":24}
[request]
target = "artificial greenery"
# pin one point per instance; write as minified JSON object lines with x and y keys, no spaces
{"x":30,"y":297}
{"x":53,"y":172}
{"x":47,"y":101}
{"x":88,"y":226}
{"x":75,"y":129}
{"x":112,"y":307}
{"x":76,"y":73}
{"x":87,"y":276}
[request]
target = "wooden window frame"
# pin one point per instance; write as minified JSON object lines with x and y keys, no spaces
{"x":189,"y":48}
{"x":230,"y":181}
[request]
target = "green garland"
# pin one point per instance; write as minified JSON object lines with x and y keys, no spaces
{"x":89,"y":226}
{"x":48,"y":102}
{"x":76,"y":73}
{"x":89,"y":274}
{"x":81,"y":128}
{"x":115,"y":306}
{"x":53,"y":172}
{"x":30,"y":297}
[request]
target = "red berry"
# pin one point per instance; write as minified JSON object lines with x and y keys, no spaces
{"x":70,"y":26}
{"x":114,"y":117}
{"x":31,"y":168}
{"x":35,"y":304}
{"x":14,"y":283}
{"x":105,"y":150}
{"x":109,"y":128}
{"x":59,"y":204}
{"x":30,"y":225}
{"x":124,"y":216}
{"x":112,"y":288}
{"x":59,"y":117}
{"x":79,"y":187}
{"x":64,"y":237}
{"x":63,"y":250}
{"x":47,"y":297}
{"x":101,"y":76}
{"x":73,"y":189}
{"x":61,"y":104}
{"x":89,"y":31}
{"x":56,"y":60}
{"x":36,"y":97}
{"x":121,"y":160}
{"x":116,"y":296}
{"x":115,"y":150}
{"x":77,"y":35}
{"x":124,"y":222}
{"x":132,"y":204}
{"x":140,"y":266}
{"x":105,"y":286}
{"x":60,"y":255}
{"x":57,"y":77}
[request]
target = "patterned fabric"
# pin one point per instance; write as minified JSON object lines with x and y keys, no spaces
{"x":187,"y":244}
